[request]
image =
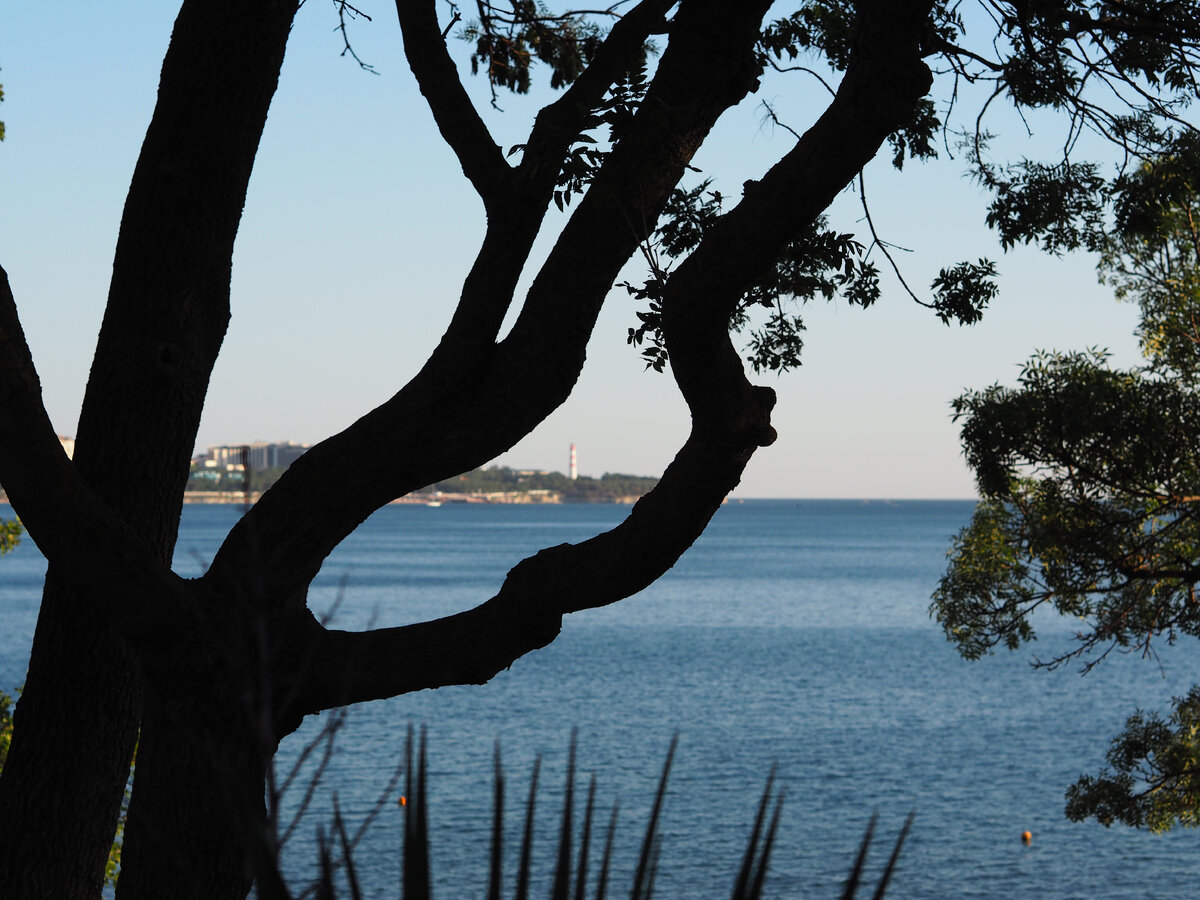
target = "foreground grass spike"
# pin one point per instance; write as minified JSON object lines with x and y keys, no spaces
{"x":606,"y":859}
{"x":752,"y":859}
{"x":860,"y":860}
{"x":855,"y":877}
{"x":749,"y":884}
{"x":494,"y":867}
{"x":339,"y":827}
{"x":562,"y":870}
{"x":652,"y":871}
{"x":644,"y":877}
{"x":523,"y":869}
{"x":325,"y":889}
{"x":584,"y":840}
{"x":760,"y":874}
{"x":891,"y":865}
{"x":416,"y":826}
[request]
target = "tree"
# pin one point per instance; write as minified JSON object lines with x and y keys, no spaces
{"x":113,"y":864}
{"x":212,"y":672}
{"x":10,"y":535}
{"x":1090,"y":482}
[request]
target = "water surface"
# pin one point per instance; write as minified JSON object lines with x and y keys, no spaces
{"x":796,"y":634}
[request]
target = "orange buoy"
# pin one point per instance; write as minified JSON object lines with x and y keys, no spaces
{"x":403,"y":801}
{"x":1026,"y":838}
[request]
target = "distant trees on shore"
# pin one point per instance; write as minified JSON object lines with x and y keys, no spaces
{"x":608,"y":488}
{"x":604,"y":489}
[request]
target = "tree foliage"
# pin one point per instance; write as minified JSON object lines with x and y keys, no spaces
{"x":213,"y":672}
{"x":1154,"y":776}
{"x":608,"y":488}
{"x":10,"y":535}
{"x":1153,"y":256}
{"x":509,"y":38}
{"x":820,"y":263}
{"x":1090,"y":478}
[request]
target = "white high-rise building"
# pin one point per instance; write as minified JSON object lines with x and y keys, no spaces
{"x":574,"y":470}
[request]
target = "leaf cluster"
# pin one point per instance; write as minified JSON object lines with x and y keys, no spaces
{"x":1090,"y":479}
{"x":962,"y":292}
{"x":915,"y":139}
{"x":1152,"y":257}
{"x":10,"y":535}
{"x":509,"y":37}
{"x":828,"y":28}
{"x":614,"y":114}
{"x":1153,"y":774}
{"x":586,"y":154}
{"x":819,"y":263}
{"x":823,"y":26}
{"x":1092,"y":508}
{"x":6,"y":725}
{"x":1122,"y":72}
{"x":1059,"y":207}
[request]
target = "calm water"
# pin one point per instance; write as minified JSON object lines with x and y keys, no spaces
{"x":794,"y":633}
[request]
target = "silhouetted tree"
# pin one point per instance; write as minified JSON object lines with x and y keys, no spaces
{"x":217,"y":669}
{"x":1091,"y":480}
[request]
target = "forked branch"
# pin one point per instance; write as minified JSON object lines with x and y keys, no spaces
{"x":462,"y":411}
{"x":457,"y":119}
{"x":65,"y":519}
{"x":731,"y":419}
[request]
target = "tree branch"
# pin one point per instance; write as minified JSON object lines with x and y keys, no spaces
{"x":731,"y":418}
{"x":168,"y":304}
{"x":558,"y":125}
{"x":167,"y":311}
{"x":884,"y":79}
{"x":457,"y":119}
{"x":515,"y":218}
{"x":443,"y":423}
{"x":68,"y":523}
{"x":472,"y":646}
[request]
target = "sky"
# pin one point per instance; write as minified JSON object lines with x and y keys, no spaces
{"x":359,"y":226}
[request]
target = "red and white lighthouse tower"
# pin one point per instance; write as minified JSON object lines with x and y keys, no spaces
{"x":574,"y":470}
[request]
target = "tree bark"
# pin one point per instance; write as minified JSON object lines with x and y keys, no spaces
{"x":199,"y":780}
{"x":75,"y":724}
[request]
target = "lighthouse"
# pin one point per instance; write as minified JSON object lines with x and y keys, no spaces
{"x":574,"y":469}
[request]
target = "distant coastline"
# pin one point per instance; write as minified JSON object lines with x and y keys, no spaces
{"x":497,"y":485}
{"x":433,"y":499}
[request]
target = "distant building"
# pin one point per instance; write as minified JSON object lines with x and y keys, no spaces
{"x":263,"y":455}
{"x":574,"y":470}
{"x":227,"y":457}
{"x":68,"y":444}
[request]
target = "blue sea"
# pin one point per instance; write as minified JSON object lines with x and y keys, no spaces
{"x":793,"y":634}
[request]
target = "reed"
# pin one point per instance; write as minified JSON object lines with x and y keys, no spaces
{"x":572,"y":872}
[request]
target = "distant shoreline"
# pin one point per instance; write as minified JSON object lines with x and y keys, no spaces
{"x":201,"y":498}
{"x":508,"y":498}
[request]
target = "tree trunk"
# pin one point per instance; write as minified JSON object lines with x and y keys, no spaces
{"x":199,"y":779}
{"x":62,"y":786}
{"x":167,"y":311}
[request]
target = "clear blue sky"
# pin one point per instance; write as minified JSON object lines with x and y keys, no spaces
{"x":359,"y":225}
